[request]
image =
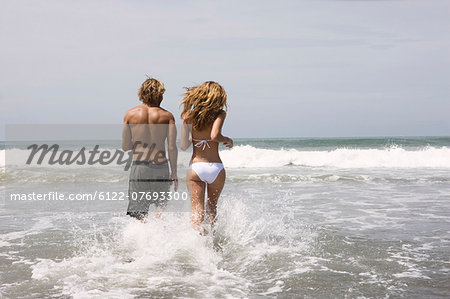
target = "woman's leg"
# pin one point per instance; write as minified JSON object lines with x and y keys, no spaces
{"x":214,"y":191}
{"x":197,"y":190}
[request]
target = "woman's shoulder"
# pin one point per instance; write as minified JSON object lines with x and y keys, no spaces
{"x":218,"y":115}
{"x":187,"y":119}
{"x":221,"y":113}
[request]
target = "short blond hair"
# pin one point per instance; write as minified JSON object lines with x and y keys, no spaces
{"x":151,"y":91}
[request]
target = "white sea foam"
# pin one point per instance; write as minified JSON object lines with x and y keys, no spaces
{"x":2,"y":158}
{"x":251,"y":162}
{"x":248,"y":156}
{"x":137,"y":258}
{"x":147,"y":259}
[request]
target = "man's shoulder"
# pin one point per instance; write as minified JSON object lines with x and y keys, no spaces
{"x":134,"y":112}
{"x":136,"y":109}
{"x":167,"y":113}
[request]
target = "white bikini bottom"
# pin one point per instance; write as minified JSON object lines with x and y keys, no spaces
{"x":206,"y":171}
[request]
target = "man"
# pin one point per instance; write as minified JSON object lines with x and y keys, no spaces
{"x":146,"y":129}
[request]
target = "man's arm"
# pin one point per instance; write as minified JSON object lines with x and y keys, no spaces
{"x":172,"y":150}
{"x":126,"y":135}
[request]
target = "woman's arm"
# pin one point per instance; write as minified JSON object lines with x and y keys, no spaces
{"x":216,"y":131}
{"x":185,"y":141}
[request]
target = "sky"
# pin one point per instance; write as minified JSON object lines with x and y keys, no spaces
{"x":290,"y":68}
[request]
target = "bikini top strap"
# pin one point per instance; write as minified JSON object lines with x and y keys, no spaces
{"x":202,"y":142}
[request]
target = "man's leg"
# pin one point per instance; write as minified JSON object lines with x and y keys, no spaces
{"x":137,"y":205}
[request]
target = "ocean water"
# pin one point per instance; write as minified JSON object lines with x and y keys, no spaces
{"x":303,"y":218}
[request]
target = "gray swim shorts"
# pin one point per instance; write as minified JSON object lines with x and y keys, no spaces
{"x":146,"y":183}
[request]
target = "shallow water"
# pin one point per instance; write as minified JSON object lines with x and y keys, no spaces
{"x":346,"y":225}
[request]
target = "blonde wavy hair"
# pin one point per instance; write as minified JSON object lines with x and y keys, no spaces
{"x":151,"y":91}
{"x":203,"y":103}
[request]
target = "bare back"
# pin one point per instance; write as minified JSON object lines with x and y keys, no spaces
{"x":208,"y":150}
{"x":148,"y":130}
{"x":205,"y":152}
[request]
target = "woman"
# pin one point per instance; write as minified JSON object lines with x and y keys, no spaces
{"x":203,"y":118}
